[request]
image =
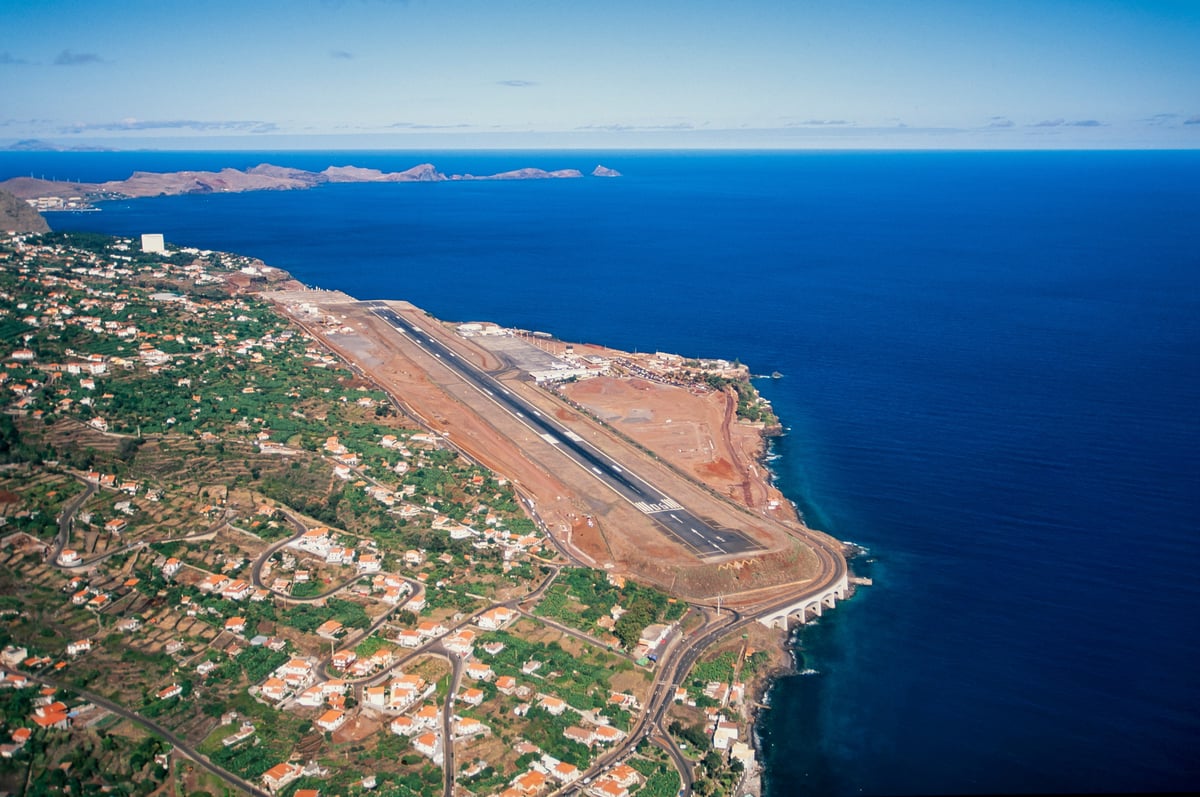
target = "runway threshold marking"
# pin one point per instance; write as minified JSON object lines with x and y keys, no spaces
{"x":666,"y":505}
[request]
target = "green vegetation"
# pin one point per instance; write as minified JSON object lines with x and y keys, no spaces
{"x":750,"y":406}
{"x":719,"y":668}
{"x":306,"y":617}
{"x":581,"y":596}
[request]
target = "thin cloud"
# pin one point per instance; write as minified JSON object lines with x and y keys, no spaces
{"x":127,"y":125}
{"x":68,"y":58}
{"x":517,"y":84}
{"x":1160,"y":119}
{"x":820,"y":123}
{"x":421,"y":126}
{"x":341,"y":55}
{"x":999,"y":122}
{"x":8,"y":58}
{"x":618,"y":128}
{"x":1192,"y":120}
{"x":1065,"y":123}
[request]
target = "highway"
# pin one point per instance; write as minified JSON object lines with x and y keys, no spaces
{"x":699,"y":536}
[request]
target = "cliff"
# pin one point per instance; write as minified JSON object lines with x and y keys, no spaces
{"x":17,"y":216}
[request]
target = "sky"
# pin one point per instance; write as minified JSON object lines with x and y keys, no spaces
{"x":976,"y":74}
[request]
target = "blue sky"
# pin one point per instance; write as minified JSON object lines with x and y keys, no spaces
{"x":537,"y":73}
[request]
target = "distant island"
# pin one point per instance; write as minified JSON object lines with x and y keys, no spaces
{"x":63,"y":195}
{"x":41,"y":145}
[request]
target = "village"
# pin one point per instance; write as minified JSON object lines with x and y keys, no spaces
{"x":209,"y":523}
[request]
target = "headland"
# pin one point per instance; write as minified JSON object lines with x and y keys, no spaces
{"x":260,"y":481}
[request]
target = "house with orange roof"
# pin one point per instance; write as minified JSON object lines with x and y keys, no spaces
{"x":331,"y":720}
{"x":427,"y":745}
{"x":79,"y":647}
{"x":565,"y":773}
{"x":403,"y":726}
{"x":467,"y":726}
{"x":428,"y":628}
{"x":409,"y":638}
{"x":624,"y":700}
{"x":311,"y":697}
{"x":624,"y":775}
{"x":212,"y":583}
{"x":280,"y":775}
{"x":237,"y":590}
{"x":462,"y":643}
{"x":53,"y":715}
{"x":329,"y":629}
{"x":273,"y":689}
{"x":171,"y":691}
{"x":579,"y":734}
{"x":553,"y":705}
{"x":472,"y":697}
{"x":530,"y":783}
{"x":480,"y":671}
{"x":609,"y":788}
{"x":607,"y":734}
{"x":506,"y":684}
{"x":375,"y":696}
{"x":405,"y":689}
{"x":15,"y":680}
{"x":496,"y":618}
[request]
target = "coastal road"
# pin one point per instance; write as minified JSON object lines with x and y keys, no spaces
{"x":682,"y":653}
{"x":702,"y":538}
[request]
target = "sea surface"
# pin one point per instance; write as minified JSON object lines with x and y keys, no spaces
{"x":991,"y":381}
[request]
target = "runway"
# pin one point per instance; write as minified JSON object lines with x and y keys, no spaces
{"x":699,"y":536}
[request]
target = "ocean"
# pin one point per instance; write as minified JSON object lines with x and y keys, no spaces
{"x":991,"y":377}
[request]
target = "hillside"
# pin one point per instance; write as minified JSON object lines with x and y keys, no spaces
{"x":17,"y":216}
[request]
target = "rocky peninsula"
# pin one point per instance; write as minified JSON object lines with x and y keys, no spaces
{"x":264,"y":177}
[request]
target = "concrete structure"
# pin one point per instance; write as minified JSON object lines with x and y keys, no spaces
{"x":809,"y":607}
{"x":153,"y":242}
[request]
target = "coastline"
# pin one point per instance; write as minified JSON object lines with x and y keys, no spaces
{"x":756,"y":449}
{"x":751,"y":446}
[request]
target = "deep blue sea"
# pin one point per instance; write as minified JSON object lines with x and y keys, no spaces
{"x":991,"y":381}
